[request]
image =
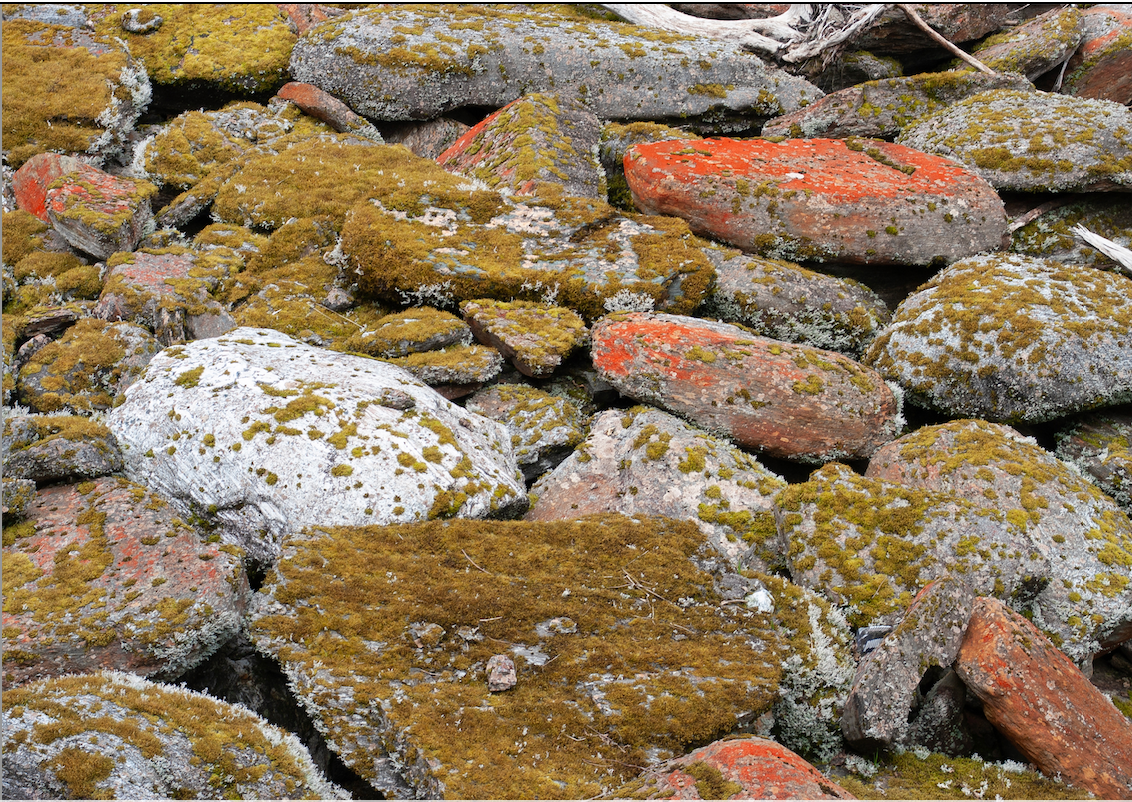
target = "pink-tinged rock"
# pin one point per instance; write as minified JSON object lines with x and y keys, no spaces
{"x":1102,"y":67}
{"x":304,"y":16}
{"x":30,"y":182}
{"x":332,"y":111}
{"x":104,"y":576}
{"x":98,"y":213}
{"x":894,"y":33}
{"x":856,"y":201}
{"x":783,"y":399}
{"x":1033,"y":694}
{"x":737,"y":768}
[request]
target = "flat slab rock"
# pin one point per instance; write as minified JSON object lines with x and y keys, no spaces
{"x":782,"y":399}
{"x":99,"y":213}
{"x":535,"y":337}
{"x":47,"y":448}
{"x":260,"y":433}
{"x":115,"y":735}
{"x":104,"y":575}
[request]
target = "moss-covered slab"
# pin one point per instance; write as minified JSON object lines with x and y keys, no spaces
{"x":65,"y":92}
{"x":624,"y":653}
{"x":1012,"y":339}
{"x":86,"y":369}
{"x":259,"y":433}
{"x":413,"y":331}
{"x":647,"y":462}
{"x":538,"y":143}
{"x":114,"y":735}
{"x":18,"y":495}
{"x":535,"y":337}
{"x":99,"y":213}
{"x":1033,"y":141}
{"x":1100,"y":444}
{"x":544,"y":428}
{"x":1034,"y":47}
{"x":1102,"y":67}
{"x":461,"y":369}
{"x":785,"y":301}
{"x":1051,"y":236}
{"x":418,"y":62}
{"x":52,"y":448}
{"x":104,"y":574}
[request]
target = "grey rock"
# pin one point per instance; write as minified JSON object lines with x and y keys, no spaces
{"x":1098,"y":444}
{"x":536,"y":337}
{"x":18,"y":495}
{"x":427,"y":139}
{"x":1036,"y":46}
{"x":940,"y":724}
{"x":1050,"y":235}
{"x":500,"y":673}
{"x":50,"y":449}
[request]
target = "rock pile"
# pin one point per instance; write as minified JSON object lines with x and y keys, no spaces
{"x":485,"y":402}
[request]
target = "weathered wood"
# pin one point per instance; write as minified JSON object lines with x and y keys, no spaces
{"x":1118,"y":253}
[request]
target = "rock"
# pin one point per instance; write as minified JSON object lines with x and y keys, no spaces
{"x":1011,"y":338}
{"x":652,"y":686}
{"x":103,"y":575}
{"x":117,"y":735}
{"x":466,"y":367}
{"x":98,"y":213}
{"x":894,"y":34}
{"x":304,"y":16}
{"x":746,"y":767}
{"x":1098,"y":444}
{"x":91,"y":111}
{"x":880,"y":109}
{"x":1032,"y":141}
{"x":392,"y":64}
{"x":535,"y":337}
{"x":429,"y":138}
{"x":1101,"y":67}
{"x":539,"y":143}
{"x":30,"y":182}
{"x":941,"y":724}
{"x":138,"y":21}
{"x":18,"y":495}
{"x":856,"y":201}
{"x":785,"y":400}
{"x":500,"y":673}
{"x":885,"y":702}
{"x":329,"y":109}
{"x":1036,"y":697}
{"x":646,"y":462}
{"x":544,"y":428}
{"x":50,"y":322}
{"x":784,"y":301}
{"x":413,"y":331}
{"x":1050,"y":235}
{"x":1035,"y":47}
{"x":88,"y":368}
{"x":58,"y":448}
{"x":616,"y":139}
{"x":260,"y":434}
{"x":852,"y":68}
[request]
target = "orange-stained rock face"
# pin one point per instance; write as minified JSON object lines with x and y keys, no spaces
{"x":31,"y":181}
{"x":860,"y":201}
{"x":1102,"y":67}
{"x":1035,"y":696}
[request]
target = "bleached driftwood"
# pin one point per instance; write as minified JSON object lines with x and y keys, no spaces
{"x":1118,"y":253}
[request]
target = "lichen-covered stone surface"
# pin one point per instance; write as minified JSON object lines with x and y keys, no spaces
{"x":1050,"y":235}
{"x":1102,"y":67}
{"x":537,"y":338}
{"x":104,"y":574}
{"x":764,"y":394}
{"x":1098,"y":444}
{"x":1011,"y":338}
{"x":1035,"y":47}
{"x":53,"y":448}
{"x":99,"y":213}
{"x":113,"y":735}
{"x":332,"y":111}
{"x":260,"y":434}
{"x":409,"y":63}
{"x":878,"y":203}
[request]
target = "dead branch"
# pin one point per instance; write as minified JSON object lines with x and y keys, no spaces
{"x":1118,"y":253}
{"x":918,"y":21}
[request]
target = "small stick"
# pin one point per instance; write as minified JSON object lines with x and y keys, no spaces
{"x":473,"y":562}
{"x":1035,"y":213}
{"x":918,"y":21}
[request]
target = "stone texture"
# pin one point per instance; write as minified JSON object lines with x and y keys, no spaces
{"x":57,"y":448}
{"x":1102,"y":67}
{"x":535,"y":337}
{"x":1035,"y":696}
{"x":855,"y":201}
{"x":428,"y":138}
{"x":98,"y":213}
{"x":741,"y":768}
{"x":893,"y":33}
{"x":1098,"y":444}
{"x":18,"y":496}
{"x":1011,"y":338}
{"x":329,"y":109}
{"x":115,"y":735}
{"x":259,"y":434}
{"x":1036,"y":46}
{"x":30,"y":182}
{"x":104,"y":575}
{"x":782,"y":399}
{"x":466,"y":366}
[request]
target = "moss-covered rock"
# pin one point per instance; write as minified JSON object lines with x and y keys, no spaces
{"x":460,"y":369}
{"x":1100,"y":68}
{"x":413,"y":331}
{"x":1051,"y":236}
{"x":99,"y":213}
{"x":1034,"y":47}
{"x":50,"y":448}
{"x":115,"y":735}
{"x":18,"y":495}
{"x":535,"y":337}
{"x":1100,"y":444}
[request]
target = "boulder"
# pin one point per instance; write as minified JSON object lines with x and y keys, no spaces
{"x":58,"y":448}
{"x":30,"y":182}
{"x":18,"y":495}
{"x":616,"y":139}
{"x":406,"y":63}
{"x":1035,"y":696}
{"x":1036,"y":46}
{"x":747,"y":767}
{"x":535,"y":337}
{"x":115,"y":735}
{"x":782,"y":399}
{"x":429,"y":138}
{"x":413,"y":331}
{"x":1011,"y":338}
{"x":1032,"y":141}
{"x":99,"y":213}
{"x":539,"y":143}
{"x":1101,"y":67}
{"x":104,"y":575}
{"x":855,"y":201}
{"x":260,"y":434}
{"x":329,"y":109}
{"x":647,"y":462}
{"x":1050,"y":235}
{"x":1098,"y":444}
{"x":894,"y":34}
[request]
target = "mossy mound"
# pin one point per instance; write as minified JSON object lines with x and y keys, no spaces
{"x":1036,"y":46}
{"x":1050,"y":236}
{"x":49,"y":448}
{"x":624,"y":652}
{"x":1012,"y":339}
{"x":242,"y":48}
{"x":535,"y":337}
{"x":115,"y":735}
{"x":22,"y":235}
{"x":411,"y":332}
{"x":1032,"y":141}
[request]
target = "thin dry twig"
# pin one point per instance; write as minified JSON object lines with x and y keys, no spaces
{"x":918,"y":21}
{"x":473,"y":562}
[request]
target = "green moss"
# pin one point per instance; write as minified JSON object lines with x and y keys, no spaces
{"x":189,"y":378}
{"x":21,"y":235}
{"x":710,"y":782}
{"x":342,"y":470}
{"x":78,"y":370}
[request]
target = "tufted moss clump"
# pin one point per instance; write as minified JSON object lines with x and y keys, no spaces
{"x":22,"y":235}
{"x":79,"y":371}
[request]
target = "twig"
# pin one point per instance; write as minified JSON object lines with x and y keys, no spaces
{"x":1035,"y":213}
{"x":473,"y":562}
{"x":918,"y":21}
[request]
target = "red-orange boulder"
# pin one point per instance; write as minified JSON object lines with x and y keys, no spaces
{"x":332,"y":111}
{"x":862,"y":201}
{"x":30,"y":182}
{"x":1102,"y":66}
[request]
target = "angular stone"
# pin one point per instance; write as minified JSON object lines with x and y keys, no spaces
{"x":893,"y":33}
{"x":538,"y":143}
{"x":1099,"y":444}
{"x":1102,"y":67}
{"x":1032,"y":141}
{"x":785,"y":400}
{"x":535,"y":337}
{"x":500,"y":673}
{"x":1012,"y":339}
{"x":57,"y":448}
{"x":413,"y":331}
{"x":647,"y":462}
{"x":747,"y":767}
{"x":457,"y":365}
{"x":18,"y":495}
{"x":329,"y":109}
{"x":1035,"y":47}
{"x":406,"y":63}
{"x":104,"y":575}
{"x":856,"y":201}
{"x":98,"y":213}
{"x":304,"y":16}
{"x":616,"y":139}
{"x":260,"y":434}
{"x":30,"y":182}
{"x":1035,"y":696}
{"x":427,"y":139}
{"x":133,"y":732}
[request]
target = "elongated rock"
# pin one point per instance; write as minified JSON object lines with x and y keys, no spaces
{"x":857,"y":201}
{"x":782,"y":399}
{"x":100,"y":213}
